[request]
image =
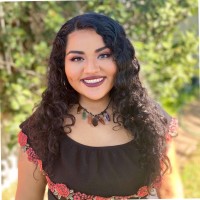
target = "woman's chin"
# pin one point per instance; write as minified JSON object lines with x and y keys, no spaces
{"x":95,"y":97}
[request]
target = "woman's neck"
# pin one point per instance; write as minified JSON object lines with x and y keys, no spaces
{"x":94,"y":106}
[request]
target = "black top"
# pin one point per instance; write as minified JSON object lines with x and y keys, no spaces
{"x":82,"y":171}
{"x":100,"y":171}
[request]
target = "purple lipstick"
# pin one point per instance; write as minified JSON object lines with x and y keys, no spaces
{"x":93,"y":81}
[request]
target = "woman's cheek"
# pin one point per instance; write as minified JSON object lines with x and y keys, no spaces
{"x":72,"y":71}
{"x":112,"y":68}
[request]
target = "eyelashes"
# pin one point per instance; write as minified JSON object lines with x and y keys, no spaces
{"x":101,"y":56}
{"x":104,"y":55}
{"x":76,"y":59}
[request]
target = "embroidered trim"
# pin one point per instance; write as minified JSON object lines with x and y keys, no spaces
{"x":173,"y":130}
{"x":61,"y":190}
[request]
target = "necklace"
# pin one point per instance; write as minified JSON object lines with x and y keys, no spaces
{"x":103,"y":117}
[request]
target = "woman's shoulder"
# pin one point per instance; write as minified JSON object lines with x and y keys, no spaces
{"x":171,"y":122}
{"x":26,"y":146}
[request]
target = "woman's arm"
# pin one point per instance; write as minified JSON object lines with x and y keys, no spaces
{"x":171,"y":186}
{"x":31,"y":182}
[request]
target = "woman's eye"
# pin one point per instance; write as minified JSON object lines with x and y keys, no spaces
{"x":76,"y":59}
{"x":105,"y":55}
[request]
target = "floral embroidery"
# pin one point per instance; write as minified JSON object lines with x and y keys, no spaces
{"x":99,"y":198}
{"x":32,"y":156}
{"x":143,"y":191}
{"x":77,"y":197}
{"x":50,"y":184}
{"x":61,"y":190}
{"x":22,"y":139}
{"x":172,"y":129}
{"x":40,"y":165}
{"x":157,"y":182}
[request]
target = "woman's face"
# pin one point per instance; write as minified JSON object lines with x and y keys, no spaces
{"x":89,"y":65}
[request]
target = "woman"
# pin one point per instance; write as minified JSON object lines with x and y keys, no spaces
{"x":96,"y":134}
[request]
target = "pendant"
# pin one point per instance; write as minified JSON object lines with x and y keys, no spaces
{"x":84,"y":115}
{"x":101,"y":120}
{"x":89,"y":119}
{"x":103,"y":117}
{"x":106,"y":116}
{"x":79,"y":109}
{"x":95,"y":121}
{"x":105,"y":120}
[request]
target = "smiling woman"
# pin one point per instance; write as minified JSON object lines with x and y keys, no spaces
{"x":96,"y":134}
{"x":89,"y":65}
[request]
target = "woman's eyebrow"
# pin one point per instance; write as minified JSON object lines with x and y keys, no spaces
{"x":77,"y":52}
{"x":101,"y":49}
{"x":81,"y":52}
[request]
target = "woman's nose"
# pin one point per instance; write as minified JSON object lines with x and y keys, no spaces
{"x":91,"y":67}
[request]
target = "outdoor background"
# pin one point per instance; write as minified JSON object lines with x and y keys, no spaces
{"x":165,"y":36}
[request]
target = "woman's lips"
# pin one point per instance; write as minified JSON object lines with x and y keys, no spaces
{"x":93,"y":81}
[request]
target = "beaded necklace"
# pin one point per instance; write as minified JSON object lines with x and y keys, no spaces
{"x":103,"y":117}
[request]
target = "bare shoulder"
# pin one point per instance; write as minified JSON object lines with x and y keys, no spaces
{"x":31,"y":182}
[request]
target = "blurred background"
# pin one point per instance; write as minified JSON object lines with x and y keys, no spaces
{"x":165,"y":36}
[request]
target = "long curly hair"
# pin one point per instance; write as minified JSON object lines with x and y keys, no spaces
{"x":132,"y":107}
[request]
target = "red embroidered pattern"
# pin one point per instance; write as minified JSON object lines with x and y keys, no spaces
{"x":32,"y":156}
{"x":58,"y":189}
{"x":22,"y":139}
{"x":143,"y":191}
{"x":61,"y":190}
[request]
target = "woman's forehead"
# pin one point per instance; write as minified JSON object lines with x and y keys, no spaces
{"x":84,"y":39}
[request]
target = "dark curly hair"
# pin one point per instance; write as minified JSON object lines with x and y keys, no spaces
{"x":132,"y":107}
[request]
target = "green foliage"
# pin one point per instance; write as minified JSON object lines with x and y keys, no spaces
{"x":25,"y":45}
{"x":170,"y":67}
{"x":166,"y":46}
{"x":190,"y":175}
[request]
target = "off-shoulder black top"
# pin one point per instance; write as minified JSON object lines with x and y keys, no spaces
{"x":85,"y":172}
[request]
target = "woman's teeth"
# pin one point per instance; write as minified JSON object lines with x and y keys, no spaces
{"x":94,"y":80}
